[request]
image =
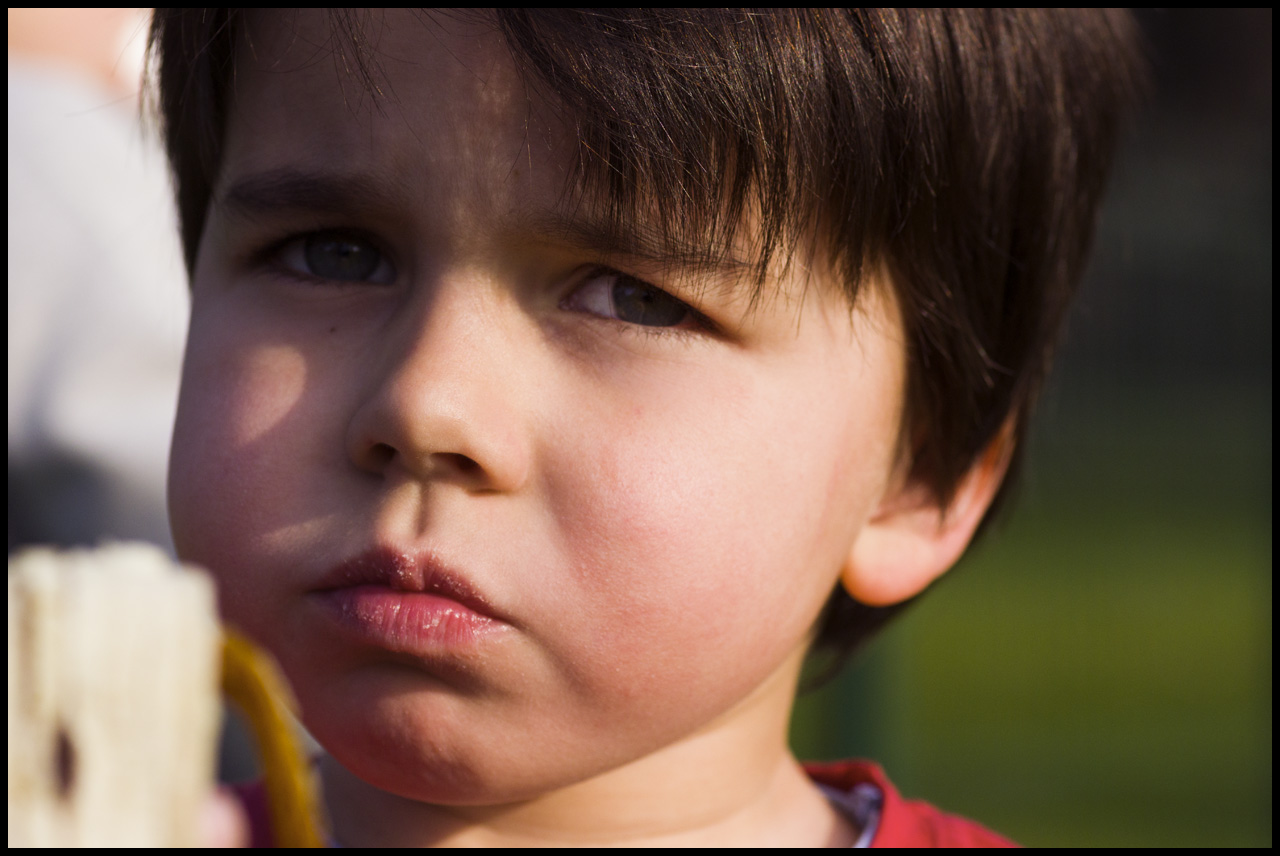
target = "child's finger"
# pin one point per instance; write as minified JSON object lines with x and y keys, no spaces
{"x":223,"y":821}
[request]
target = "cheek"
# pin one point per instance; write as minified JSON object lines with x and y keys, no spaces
{"x":701,"y":533}
{"x":229,"y":464}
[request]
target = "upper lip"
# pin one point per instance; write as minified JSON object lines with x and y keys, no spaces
{"x":408,"y":571}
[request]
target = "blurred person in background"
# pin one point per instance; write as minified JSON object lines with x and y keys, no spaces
{"x":97,"y":297}
{"x":98,"y":300}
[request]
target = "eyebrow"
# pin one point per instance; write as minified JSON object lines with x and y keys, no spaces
{"x":639,"y":242}
{"x":287,"y":189}
{"x":361,"y":194}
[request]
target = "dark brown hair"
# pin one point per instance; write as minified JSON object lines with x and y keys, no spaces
{"x":963,"y":152}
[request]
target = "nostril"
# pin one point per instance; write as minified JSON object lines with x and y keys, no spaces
{"x":461,"y":462}
{"x":382,"y":454}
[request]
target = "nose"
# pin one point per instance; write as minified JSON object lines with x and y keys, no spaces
{"x":444,"y":392}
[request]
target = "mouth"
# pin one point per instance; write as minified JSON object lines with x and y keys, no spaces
{"x":406,"y":601}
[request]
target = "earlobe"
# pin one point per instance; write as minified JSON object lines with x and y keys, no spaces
{"x":908,"y":542}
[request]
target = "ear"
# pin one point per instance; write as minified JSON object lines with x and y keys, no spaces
{"x":909,"y":542}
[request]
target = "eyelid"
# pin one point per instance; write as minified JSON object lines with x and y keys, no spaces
{"x":272,"y":254}
{"x":700,"y":321}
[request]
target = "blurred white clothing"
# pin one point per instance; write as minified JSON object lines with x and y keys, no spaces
{"x":98,"y":308}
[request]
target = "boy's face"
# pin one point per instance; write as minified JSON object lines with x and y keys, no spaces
{"x":659,"y":511}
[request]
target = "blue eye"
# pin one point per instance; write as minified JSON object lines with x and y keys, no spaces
{"x":615,"y":295}
{"x":336,"y":257}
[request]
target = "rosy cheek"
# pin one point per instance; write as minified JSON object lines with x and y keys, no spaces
{"x":229,"y":462}
{"x":260,"y":390}
{"x":726,"y":529}
{"x":663,"y":563}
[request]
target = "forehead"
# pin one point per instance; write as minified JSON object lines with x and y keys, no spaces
{"x":452,"y":62}
{"x":433,"y":109}
{"x":430,"y":99}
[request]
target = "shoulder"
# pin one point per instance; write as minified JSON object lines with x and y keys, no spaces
{"x":902,"y":823}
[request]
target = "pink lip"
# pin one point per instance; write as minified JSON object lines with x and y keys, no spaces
{"x":405,"y":601}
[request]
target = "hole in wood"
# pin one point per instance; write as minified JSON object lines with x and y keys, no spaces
{"x":66,"y":760}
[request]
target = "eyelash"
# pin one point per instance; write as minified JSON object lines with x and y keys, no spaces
{"x":702,"y":324}
{"x":269,"y":256}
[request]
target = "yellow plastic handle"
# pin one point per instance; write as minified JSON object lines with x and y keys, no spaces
{"x":252,"y":681}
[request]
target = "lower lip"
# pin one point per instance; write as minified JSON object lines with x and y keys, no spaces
{"x":407,"y":622}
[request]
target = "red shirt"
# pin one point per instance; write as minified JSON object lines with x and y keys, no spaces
{"x":897,"y":822}
{"x":901,"y":823}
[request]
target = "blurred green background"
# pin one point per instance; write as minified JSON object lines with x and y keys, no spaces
{"x":1097,"y":672}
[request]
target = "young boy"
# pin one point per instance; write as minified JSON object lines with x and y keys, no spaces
{"x":558,"y":381}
